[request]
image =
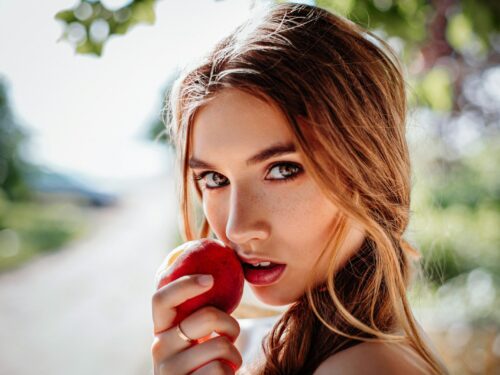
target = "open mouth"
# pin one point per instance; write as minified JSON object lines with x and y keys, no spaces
{"x":264,"y":273}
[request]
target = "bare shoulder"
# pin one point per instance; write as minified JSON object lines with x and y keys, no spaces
{"x":375,"y":358}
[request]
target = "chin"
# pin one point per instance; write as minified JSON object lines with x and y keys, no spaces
{"x":272,"y":298}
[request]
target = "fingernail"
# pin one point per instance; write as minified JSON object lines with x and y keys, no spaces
{"x":205,"y":280}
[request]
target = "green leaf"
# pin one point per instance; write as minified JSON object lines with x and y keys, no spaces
{"x":89,"y":47}
{"x":143,"y":12}
{"x":66,"y":15}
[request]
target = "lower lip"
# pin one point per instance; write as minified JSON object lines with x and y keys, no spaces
{"x":263,"y":276}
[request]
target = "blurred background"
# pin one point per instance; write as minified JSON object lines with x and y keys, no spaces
{"x":87,"y":197}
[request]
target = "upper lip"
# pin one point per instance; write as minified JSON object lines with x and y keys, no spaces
{"x":254,"y":261}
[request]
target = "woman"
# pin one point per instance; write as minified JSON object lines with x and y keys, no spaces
{"x":292,"y":131}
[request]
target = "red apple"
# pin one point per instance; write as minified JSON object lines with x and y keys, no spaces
{"x":205,"y":256}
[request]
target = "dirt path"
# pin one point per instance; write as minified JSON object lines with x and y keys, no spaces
{"x":86,"y":309}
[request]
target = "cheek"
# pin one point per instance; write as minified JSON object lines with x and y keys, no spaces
{"x":307,"y":216}
{"x":304,"y":232}
{"x":214,"y":212}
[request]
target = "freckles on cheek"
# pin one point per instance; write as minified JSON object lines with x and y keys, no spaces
{"x":298,"y":213}
{"x":307,"y":225}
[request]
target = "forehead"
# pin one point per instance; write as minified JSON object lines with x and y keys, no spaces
{"x":236,"y":123}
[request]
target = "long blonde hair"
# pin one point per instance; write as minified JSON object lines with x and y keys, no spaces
{"x":343,"y":93}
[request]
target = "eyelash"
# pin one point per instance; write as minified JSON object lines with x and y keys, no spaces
{"x":199,"y":177}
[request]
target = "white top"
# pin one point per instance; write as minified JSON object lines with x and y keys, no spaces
{"x":249,"y":342}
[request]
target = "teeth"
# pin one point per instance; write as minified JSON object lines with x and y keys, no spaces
{"x":263,"y":264}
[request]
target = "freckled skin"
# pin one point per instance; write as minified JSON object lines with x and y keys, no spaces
{"x":287,"y":222}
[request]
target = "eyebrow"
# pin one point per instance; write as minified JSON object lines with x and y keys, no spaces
{"x":269,"y":152}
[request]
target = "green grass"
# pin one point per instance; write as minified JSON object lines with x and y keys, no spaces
{"x":28,"y":229}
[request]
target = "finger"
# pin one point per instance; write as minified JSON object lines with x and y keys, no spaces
{"x":218,"y":348}
{"x":215,"y":368}
{"x":171,"y":295}
{"x":210,"y":319}
{"x":167,"y":344}
{"x":198,"y":325}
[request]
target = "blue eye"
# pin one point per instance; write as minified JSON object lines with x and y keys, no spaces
{"x":281,"y":172}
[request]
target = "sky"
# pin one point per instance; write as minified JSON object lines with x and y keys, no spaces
{"x":86,"y":115}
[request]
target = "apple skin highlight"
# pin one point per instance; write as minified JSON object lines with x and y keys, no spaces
{"x":205,"y":256}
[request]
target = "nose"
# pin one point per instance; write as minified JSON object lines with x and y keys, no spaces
{"x":246,"y":221}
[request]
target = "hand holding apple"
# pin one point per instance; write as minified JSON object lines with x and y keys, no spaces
{"x":182,"y":299}
{"x":205,"y":256}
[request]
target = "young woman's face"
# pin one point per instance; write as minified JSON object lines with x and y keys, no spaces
{"x":267,"y":208}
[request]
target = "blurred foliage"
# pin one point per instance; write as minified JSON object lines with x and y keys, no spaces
{"x":405,"y":19}
{"x":157,"y":130}
{"x":11,"y":164}
{"x":456,"y":204}
{"x":410,"y":19}
{"x":27,"y":226}
{"x":28,"y":229}
{"x":90,"y":24}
